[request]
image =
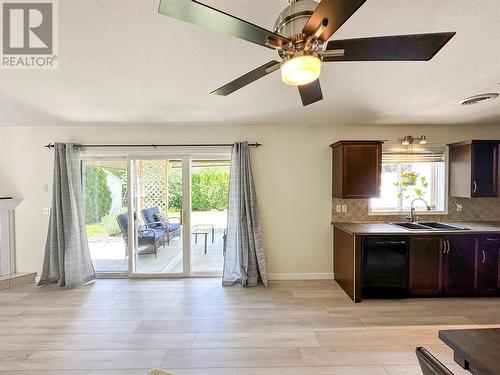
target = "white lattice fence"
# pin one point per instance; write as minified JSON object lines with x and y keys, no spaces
{"x":154,"y":178}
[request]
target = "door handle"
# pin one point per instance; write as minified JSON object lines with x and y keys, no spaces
{"x":390,"y":242}
{"x":474,"y":186}
{"x":484,"y":256}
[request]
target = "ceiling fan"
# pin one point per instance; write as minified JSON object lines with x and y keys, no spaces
{"x":301,"y":38}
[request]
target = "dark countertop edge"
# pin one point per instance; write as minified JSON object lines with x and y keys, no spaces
{"x":470,"y":357}
{"x":403,"y":232}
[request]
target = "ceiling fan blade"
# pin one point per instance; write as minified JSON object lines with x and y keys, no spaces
{"x":311,"y":92}
{"x":336,"y":12}
{"x":200,"y":14}
{"x":418,"y":47}
{"x":248,"y":78}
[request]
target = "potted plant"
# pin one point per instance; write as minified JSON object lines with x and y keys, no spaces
{"x":411,"y":184}
{"x":409,"y":178}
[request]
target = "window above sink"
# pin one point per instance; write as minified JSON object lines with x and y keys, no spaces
{"x":406,"y":176}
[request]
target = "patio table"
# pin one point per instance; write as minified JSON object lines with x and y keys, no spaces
{"x":203,"y":229}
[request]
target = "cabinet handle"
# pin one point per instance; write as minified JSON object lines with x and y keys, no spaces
{"x":445,"y":247}
{"x":449,"y":247}
{"x":492,"y":239}
{"x":484,"y":256}
{"x":474,"y":186}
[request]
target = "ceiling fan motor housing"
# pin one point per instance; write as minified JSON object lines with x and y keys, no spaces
{"x":293,"y":18}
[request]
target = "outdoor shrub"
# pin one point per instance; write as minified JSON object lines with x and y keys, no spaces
{"x":97,"y":195}
{"x":110,"y":225}
{"x":175,"y":189}
{"x":209,"y":189}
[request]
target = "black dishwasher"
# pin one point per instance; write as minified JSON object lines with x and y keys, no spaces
{"x":384,"y":267}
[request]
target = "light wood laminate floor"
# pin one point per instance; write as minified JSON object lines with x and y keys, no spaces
{"x":197,"y":327}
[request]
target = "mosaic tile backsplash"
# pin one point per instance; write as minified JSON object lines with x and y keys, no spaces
{"x":476,"y":209}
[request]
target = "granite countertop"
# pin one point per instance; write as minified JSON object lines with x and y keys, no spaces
{"x":369,"y":228}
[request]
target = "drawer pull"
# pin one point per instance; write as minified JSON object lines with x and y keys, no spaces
{"x":475,"y":186}
{"x":484,"y":256}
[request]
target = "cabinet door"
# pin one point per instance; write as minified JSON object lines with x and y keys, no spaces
{"x":425,"y":266}
{"x":484,"y":169}
{"x":460,"y":170}
{"x":459,"y":265}
{"x":357,"y":167}
{"x":487,"y":281}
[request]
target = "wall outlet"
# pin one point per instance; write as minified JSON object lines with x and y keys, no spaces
{"x":46,"y":211}
{"x":338,"y":208}
{"x":344,"y":208}
{"x":46,"y":188}
{"x":459,"y":207}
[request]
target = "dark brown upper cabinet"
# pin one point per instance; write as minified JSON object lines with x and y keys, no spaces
{"x":474,"y":169}
{"x":356,"y":169}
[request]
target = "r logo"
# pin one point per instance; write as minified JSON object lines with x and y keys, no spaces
{"x":27,"y":28}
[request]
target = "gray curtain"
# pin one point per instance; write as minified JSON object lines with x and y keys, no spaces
{"x":67,"y":258}
{"x":244,"y":260}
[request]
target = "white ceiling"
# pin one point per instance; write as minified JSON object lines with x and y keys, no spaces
{"x":122,"y":62}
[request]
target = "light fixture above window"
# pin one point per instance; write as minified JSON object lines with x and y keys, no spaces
{"x":409,"y":140}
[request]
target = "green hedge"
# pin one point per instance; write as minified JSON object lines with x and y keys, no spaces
{"x":209,"y":186}
{"x":97,"y":195}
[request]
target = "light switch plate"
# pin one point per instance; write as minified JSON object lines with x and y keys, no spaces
{"x":344,"y":208}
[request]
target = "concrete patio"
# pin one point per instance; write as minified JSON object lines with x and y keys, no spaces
{"x":109,"y":254}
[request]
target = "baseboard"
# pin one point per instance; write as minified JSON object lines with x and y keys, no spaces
{"x":300,"y":276}
{"x":17,"y":279}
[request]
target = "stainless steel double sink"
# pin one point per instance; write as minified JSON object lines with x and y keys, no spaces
{"x":430,"y":225}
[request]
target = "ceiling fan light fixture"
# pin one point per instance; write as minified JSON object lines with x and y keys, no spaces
{"x":300,"y":70}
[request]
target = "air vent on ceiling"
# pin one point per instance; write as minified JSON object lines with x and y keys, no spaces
{"x":478,"y":98}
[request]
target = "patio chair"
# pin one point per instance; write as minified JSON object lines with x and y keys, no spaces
{"x":145,"y":236}
{"x":156,"y":220}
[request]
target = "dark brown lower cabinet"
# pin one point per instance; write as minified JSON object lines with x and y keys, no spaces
{"x":487,"y":265}
{"x":459,"y":264}
{"x":455,"y":264}
{"x":425,"y":261}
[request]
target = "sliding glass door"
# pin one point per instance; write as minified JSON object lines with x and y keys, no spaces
{"x":105,"y":183}
{"x":157,"y":201}
{"x":156,"y":216}
{"x":209,"y":203}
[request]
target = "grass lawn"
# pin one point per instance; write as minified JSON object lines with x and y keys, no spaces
{"x":95,"y":229}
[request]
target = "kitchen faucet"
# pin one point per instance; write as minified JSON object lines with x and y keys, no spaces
{"x":411,"y":215}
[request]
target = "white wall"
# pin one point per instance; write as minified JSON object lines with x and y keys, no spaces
{"x":292,"y":172}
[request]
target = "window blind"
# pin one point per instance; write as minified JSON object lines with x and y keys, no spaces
{"x":396,"y":153}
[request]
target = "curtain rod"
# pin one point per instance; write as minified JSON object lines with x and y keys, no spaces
{"x":255,"y":144}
